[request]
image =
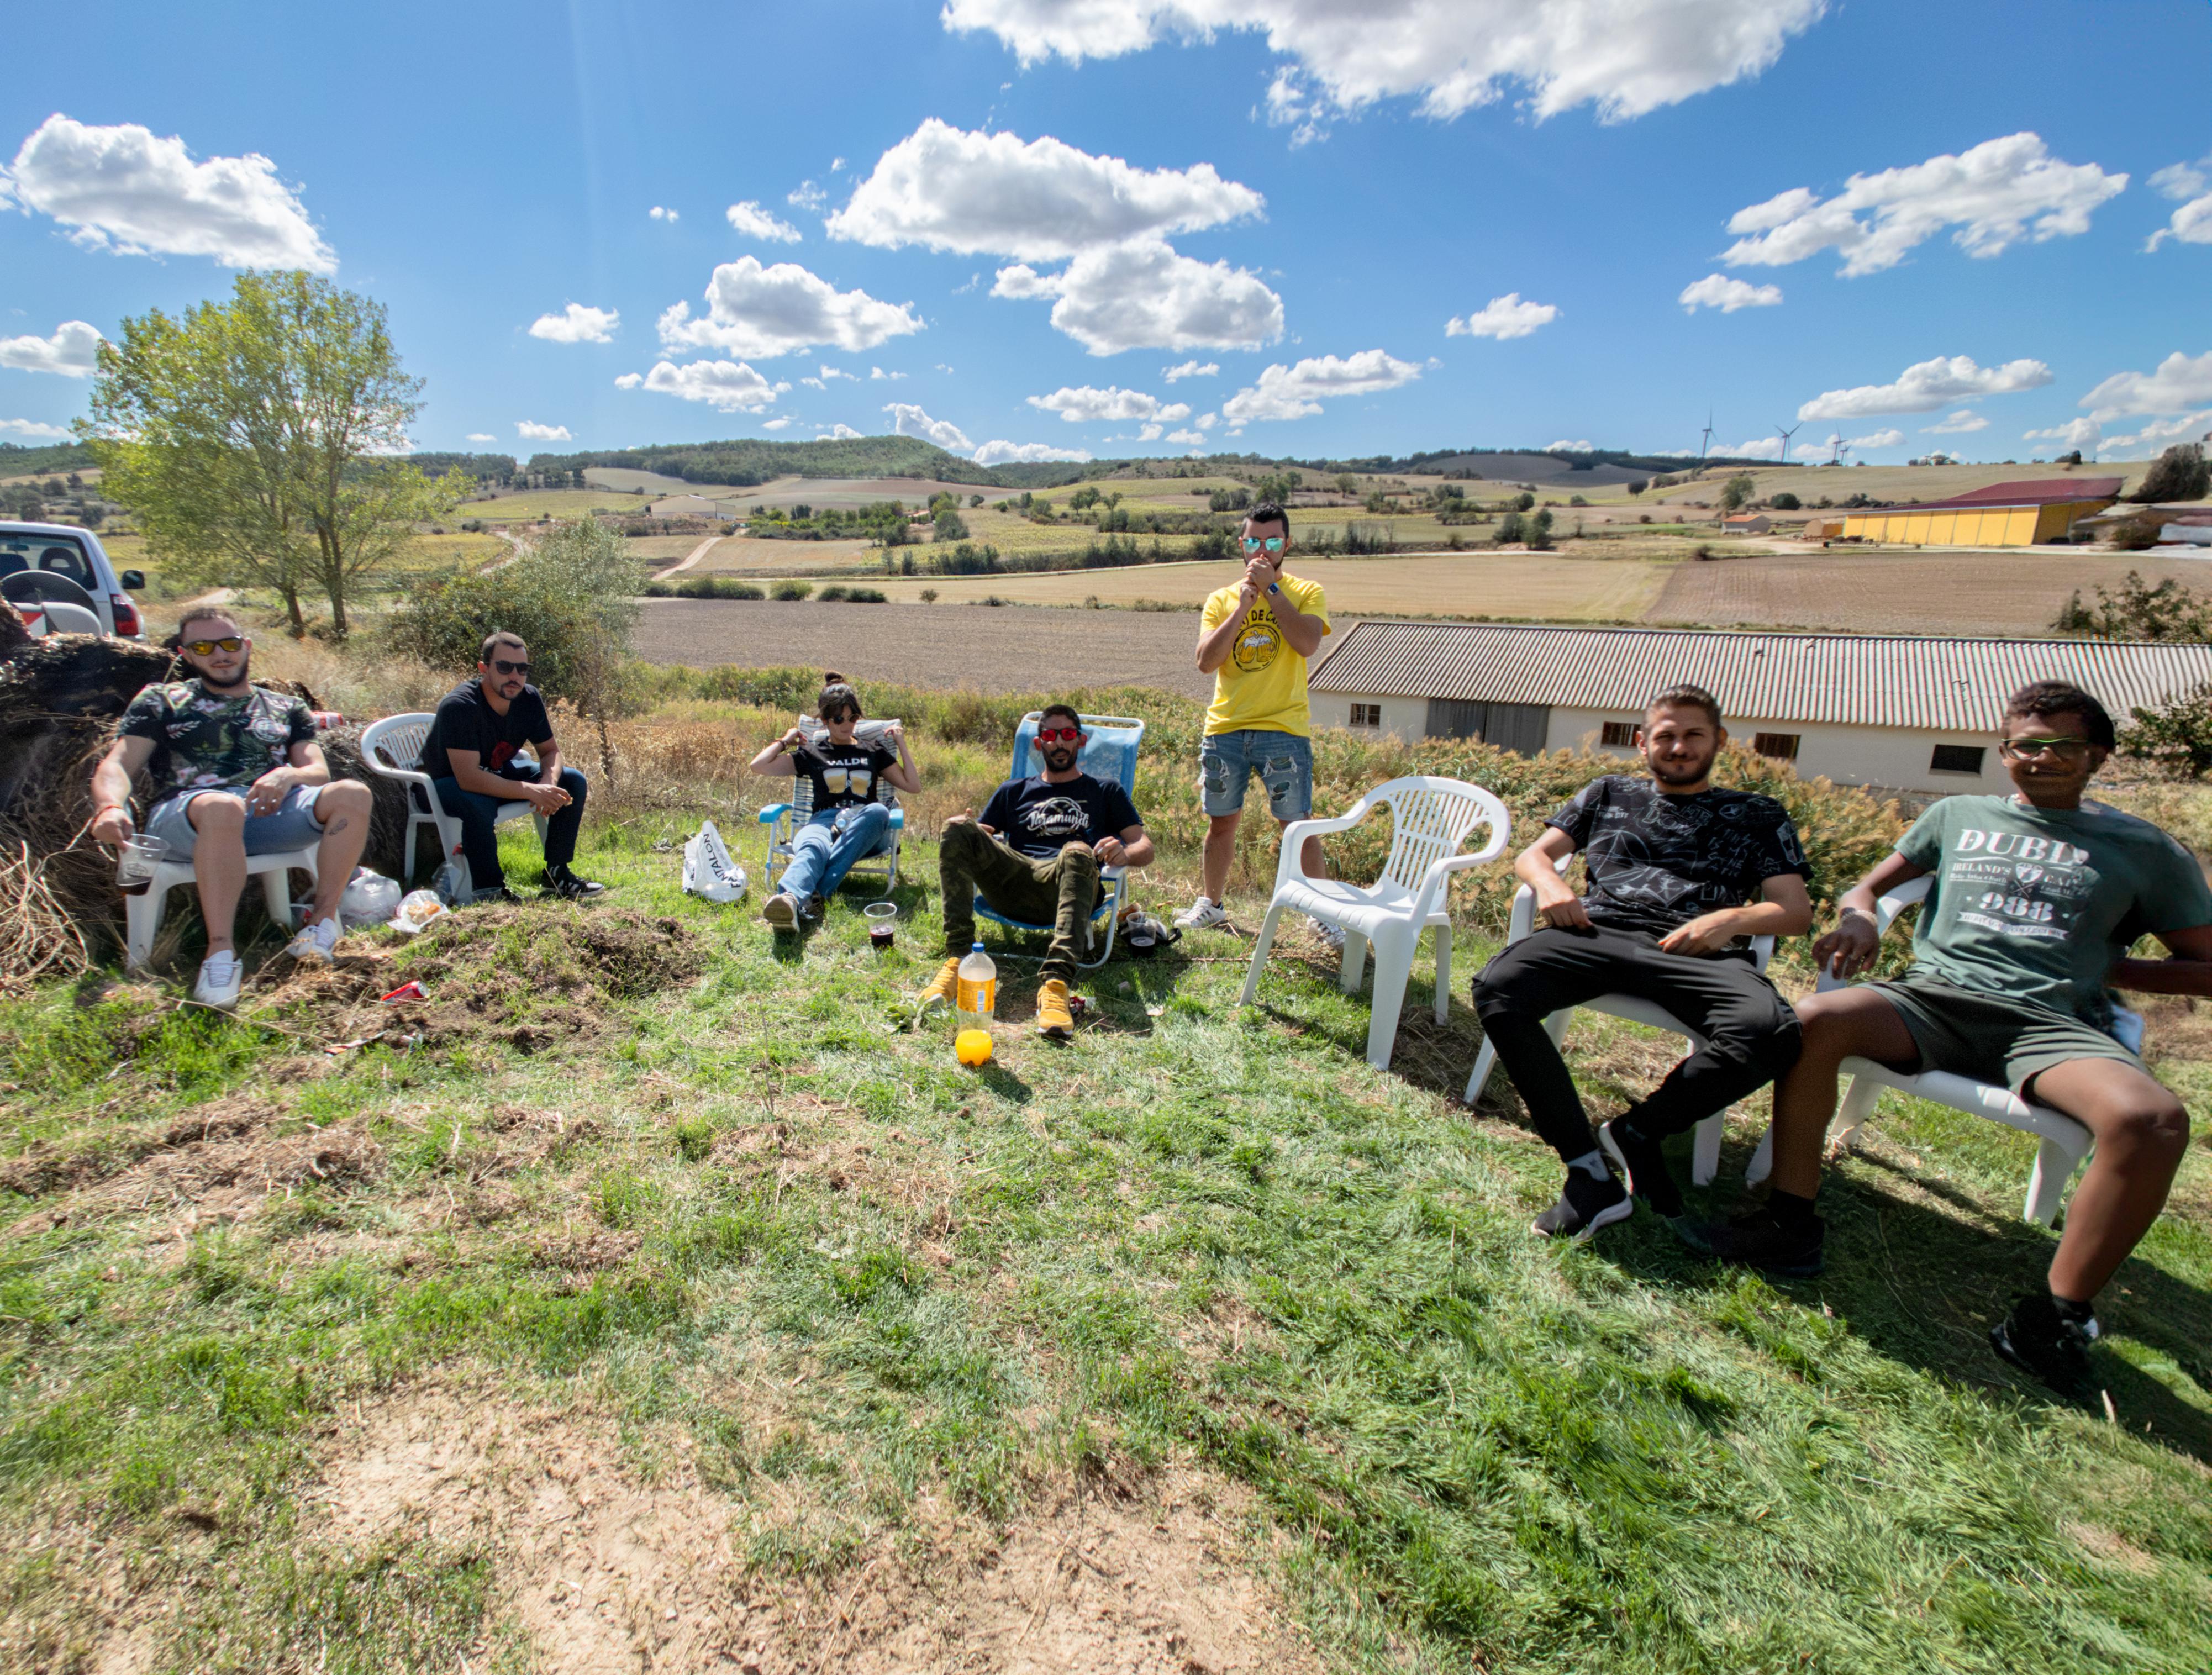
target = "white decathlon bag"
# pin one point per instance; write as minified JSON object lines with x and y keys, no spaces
{"x":708,"y":868}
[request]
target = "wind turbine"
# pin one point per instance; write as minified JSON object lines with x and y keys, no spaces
{"x":1841,"y":448}
{"x":1708,"y":441}
{"x":1786,"y":435}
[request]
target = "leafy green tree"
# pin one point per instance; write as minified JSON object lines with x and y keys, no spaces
{"x":1735,"y":492}
{"x":1786,"y":502}
{"x":2181,"y":473}
{"x":1639,"y":486}
{"x":2177,"y":736}
{"x":1523,"y":500}
{"x":950,"y":526}
{"x":255,"y":439}
{"x":2139,"y":611}
{"x":1347,"y":485}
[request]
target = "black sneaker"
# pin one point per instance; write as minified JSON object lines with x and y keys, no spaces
{"x":1757,"y":1239}
{"x":1586,"y":1204}
{"x":2039,"y":1340}
{"x":499,"y":893}
{"x":560,"y":882}
{"x":1635,"y":1154}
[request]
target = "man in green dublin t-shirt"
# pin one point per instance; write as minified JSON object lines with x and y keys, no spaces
{"x":2035,"y":901}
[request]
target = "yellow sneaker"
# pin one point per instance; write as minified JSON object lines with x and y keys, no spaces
{"x":1053,"y":1018}
{"x":941,"y":987}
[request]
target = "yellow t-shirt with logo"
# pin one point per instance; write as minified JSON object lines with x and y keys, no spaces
{"x":1261,"y":686}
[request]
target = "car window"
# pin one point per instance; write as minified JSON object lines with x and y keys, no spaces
{"x":57,"y":554}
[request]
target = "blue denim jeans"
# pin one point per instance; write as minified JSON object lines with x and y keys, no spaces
{"x":826,"y":846}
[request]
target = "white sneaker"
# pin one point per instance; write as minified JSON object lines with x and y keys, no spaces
{"x":314,"y":945}
{"x":1201,"y":914}
{"x":1331,"y":934}
{"x":221,"y":975}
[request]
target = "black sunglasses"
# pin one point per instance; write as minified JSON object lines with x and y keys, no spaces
{"x":506,"y":668}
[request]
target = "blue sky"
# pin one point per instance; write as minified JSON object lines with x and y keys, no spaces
{"x":1384,"y":226}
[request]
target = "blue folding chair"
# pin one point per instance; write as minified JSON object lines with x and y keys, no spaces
{"x":783,"y":820}
{"x":1110,"y":752}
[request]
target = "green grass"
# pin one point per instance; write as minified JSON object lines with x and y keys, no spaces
{"x":862,"y":1291}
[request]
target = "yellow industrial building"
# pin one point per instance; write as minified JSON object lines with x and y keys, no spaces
{"x":2004,"y":514}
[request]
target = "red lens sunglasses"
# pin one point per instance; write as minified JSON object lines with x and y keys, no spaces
{"x":1054,"y":735}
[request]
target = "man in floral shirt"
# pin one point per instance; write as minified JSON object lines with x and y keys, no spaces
{"x":235,"y":771}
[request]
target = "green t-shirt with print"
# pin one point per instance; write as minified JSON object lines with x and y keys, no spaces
{"x":205,"y":742}
{"x":2036,"y":904}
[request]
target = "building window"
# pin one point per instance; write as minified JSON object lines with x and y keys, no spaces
{"x":1957,"y":759}
{"x":1367,"y":715}
{"x":1617,"y":735}
{"x":1781,"y":746}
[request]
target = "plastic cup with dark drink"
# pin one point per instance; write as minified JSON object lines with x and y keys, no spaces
{"x":883,"y":918}
{"x":134,"y":868}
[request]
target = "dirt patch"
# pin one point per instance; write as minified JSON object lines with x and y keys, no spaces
{"x":603,"y":1572}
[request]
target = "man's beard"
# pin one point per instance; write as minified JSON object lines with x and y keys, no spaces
{"x":245,"y":665}
{"x":1060,"y":761}
{"x":1680,"y":776}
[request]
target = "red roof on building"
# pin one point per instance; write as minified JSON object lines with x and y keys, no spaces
{"x":2034,"y":491}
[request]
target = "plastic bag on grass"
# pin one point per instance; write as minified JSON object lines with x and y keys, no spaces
{"x":709,"y":870}
{"x":370,"y":899}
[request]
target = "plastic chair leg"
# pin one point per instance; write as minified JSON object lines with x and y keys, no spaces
{"x":1706,"y":1150}
{"x":1352,"y":964}
{"x":1393,"y":966}
{"x":1480,"y":1078}
{"x":1260,"y":953}
{"x":1443,"y":973}
{"x":2047,"y":1184}
{"x":143,"y":916}
{"x":1858,"y":1103}
{"x":276,"y":890}
{"x":1762,"y":1161}
{"x":1113,"y":905}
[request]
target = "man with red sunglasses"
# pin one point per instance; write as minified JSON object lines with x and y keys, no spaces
{"x":1034,"y":856}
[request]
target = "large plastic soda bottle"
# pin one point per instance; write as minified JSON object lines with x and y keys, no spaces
{"x":979,"y":989}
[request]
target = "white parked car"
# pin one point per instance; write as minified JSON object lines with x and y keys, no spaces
{"x":60,"y":574}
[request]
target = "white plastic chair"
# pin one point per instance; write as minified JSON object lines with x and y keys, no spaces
{"x":783,"y":820}
{"x":1431,"y":817}
{"x":393,"y":748}
{"x":1110,"y":747}
{"x":143,"y":912}
{"x":1706,"y":1146}
{"x":2064,"y":1143}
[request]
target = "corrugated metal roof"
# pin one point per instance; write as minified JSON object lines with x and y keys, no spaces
{"x":1951,"y":685}
{"x":2038,"y":491}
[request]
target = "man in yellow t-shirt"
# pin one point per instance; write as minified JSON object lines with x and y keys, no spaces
{"x":1254,"y":637}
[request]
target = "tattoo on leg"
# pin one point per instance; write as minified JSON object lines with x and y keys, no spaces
{"x":336,"y":826}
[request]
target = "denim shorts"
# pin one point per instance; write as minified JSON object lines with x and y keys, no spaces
{"x":1283,"y":761}
{"x":293,"y":826}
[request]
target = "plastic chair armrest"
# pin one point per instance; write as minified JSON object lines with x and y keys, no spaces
{"x":772,"y":813}
{"x":1295,"y":834}
{"x":1110,"y":873}
{"x":898,"y":819}
{"x":1438,"y":881}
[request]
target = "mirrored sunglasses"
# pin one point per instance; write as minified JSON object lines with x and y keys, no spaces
{"x":1273,"y":544}
{"x":230,"y":642}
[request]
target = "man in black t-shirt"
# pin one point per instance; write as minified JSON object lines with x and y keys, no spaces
{"x":846,"y":818}
{"x":1681,"y":876}
{"x":469,"y":755}
{"x":1034,"y":856}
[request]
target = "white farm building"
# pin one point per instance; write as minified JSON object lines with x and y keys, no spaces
{"x":1897,"y":712}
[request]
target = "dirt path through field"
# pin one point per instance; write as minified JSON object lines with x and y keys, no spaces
{"x":1013,"y":649}
{"x":689,"y":559}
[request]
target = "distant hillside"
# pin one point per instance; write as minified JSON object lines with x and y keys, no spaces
{"x":746,"y":462}
{"x":1603,"y":466}
{"x":54,"y":456}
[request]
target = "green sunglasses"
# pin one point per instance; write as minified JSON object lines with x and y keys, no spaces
{"x":1273,"y":544}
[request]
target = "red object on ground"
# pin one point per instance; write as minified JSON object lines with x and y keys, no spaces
{"x":410,"y":991}
{"x":326,"y":719}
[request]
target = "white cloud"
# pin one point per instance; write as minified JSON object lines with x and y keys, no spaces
{"x":783,"y":423}
{"x":1085,"y":403}
{"x":878,"y":375}
{"x":1957,"y":424}
{"x":907,"y":420}
{"x":2160,"y":432}
{"x":529,"y":431}
{"x":1189,"y":439}
{"x":1927,"y":385}
{"x":836,"y":166}
{"x":829,"y":372}
{"x":2191,"y":223}
{"x":1718,"y":291}
{"x":806,"y":196}
{"x":1996,"y":194}
{"x":1759,"y":447}
{"x":755,"y":222}
{"x":1040,"y":200}
{"x":2180,"y":382}
{"x":73,"y":351}
{"x":1567,"y":448}
{"x":1190,"y":369}
{"x":124,"y":189}
{"x":1208,"y":420}
{"x":2083,"y":433}
{"x":756,"y":311}
{"x":33,"y":429}
{"x":946,"y":370}
{"x":1625,"y":56}
{"x":1143,"y":294}
{"x":480,"y":436}
{"x":726,"y":385}
{"x":2185,"y":184}
{"x":577,"y":324}
{"x":1886,"y":437}
{"x":1297,"y":392}
{"x":1502,"y":317}
{"x":1025,"y":453}
{"x":814,"y":383}
{"x":843,"y":433}
{"x":659,"y":213}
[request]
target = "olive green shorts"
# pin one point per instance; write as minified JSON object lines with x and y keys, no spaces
{"x":1992,"y":1038}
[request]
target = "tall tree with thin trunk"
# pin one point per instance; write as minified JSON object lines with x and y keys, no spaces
{"x":252,"y":440}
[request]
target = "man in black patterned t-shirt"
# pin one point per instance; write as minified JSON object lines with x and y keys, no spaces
{"x":1682,"y":874}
